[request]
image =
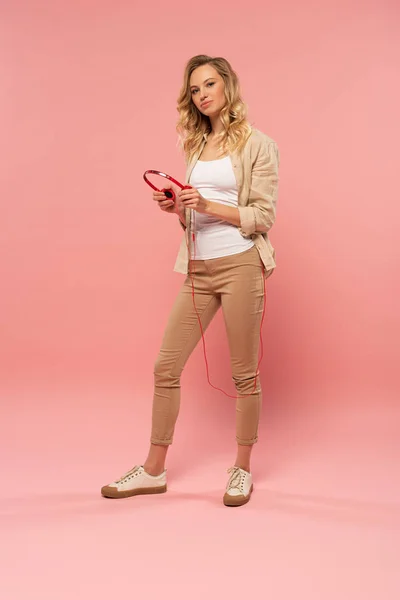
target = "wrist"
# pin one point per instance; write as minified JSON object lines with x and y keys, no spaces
{"x":207,"y":206}
{"x":179,"y":209}
{"x":180,"y":212}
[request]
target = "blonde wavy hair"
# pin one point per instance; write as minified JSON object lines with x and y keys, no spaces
{"x":192,"y":124}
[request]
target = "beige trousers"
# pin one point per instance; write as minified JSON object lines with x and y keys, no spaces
{"x":236,"y":283}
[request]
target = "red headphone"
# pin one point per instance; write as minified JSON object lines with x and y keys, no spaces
{"x":167,"y":191}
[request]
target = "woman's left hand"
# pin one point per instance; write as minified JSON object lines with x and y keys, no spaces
{"x":191,"y":198}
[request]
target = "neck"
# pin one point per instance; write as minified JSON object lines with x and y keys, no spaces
{"x":216,"y":126}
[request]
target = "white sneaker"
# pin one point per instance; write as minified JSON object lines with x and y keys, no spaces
{"x":239,"y":487}
{"x":134,"y":482}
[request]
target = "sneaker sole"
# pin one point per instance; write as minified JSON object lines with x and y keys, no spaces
{"x":109,"y":492}
{"x":237,"y":500}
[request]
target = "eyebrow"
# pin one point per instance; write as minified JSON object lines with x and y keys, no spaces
{"x":203,"y":82}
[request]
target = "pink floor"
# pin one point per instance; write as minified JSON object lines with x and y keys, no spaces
{"x":323,"y":522}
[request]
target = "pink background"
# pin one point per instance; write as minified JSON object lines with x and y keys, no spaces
{"x":87,"y":104}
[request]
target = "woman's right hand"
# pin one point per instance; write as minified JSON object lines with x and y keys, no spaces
{"x":166,"y":204}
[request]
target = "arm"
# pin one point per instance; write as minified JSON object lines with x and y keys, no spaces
{"x":214,"y":209}
{"x":228,"y":213}
{"x":259,"y":214}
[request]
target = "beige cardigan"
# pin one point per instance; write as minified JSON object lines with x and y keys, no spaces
{"x":256,"y":172}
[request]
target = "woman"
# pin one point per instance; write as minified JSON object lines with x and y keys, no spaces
{"x":232,"y":169}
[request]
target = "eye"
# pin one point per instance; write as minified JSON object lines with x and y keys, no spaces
{"x":211,"y":83}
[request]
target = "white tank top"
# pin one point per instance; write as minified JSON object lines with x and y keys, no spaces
{"x":215,"y":180}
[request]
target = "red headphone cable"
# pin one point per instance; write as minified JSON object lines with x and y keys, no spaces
{"x":199,"y":319}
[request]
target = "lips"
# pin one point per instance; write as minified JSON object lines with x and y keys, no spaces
{"x":205,"y":103}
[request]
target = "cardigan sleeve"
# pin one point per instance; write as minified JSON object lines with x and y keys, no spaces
{"x":258,"y":215}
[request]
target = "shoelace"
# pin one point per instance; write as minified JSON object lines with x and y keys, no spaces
{"x":128,"y":475}
{"x":236,"y":480}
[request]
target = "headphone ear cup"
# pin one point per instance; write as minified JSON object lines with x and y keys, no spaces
{"x":169,"y":192}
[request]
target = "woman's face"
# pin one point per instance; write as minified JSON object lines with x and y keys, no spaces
{"x":206,"y":85}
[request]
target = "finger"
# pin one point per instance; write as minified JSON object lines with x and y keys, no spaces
{"x":166,"y":203}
